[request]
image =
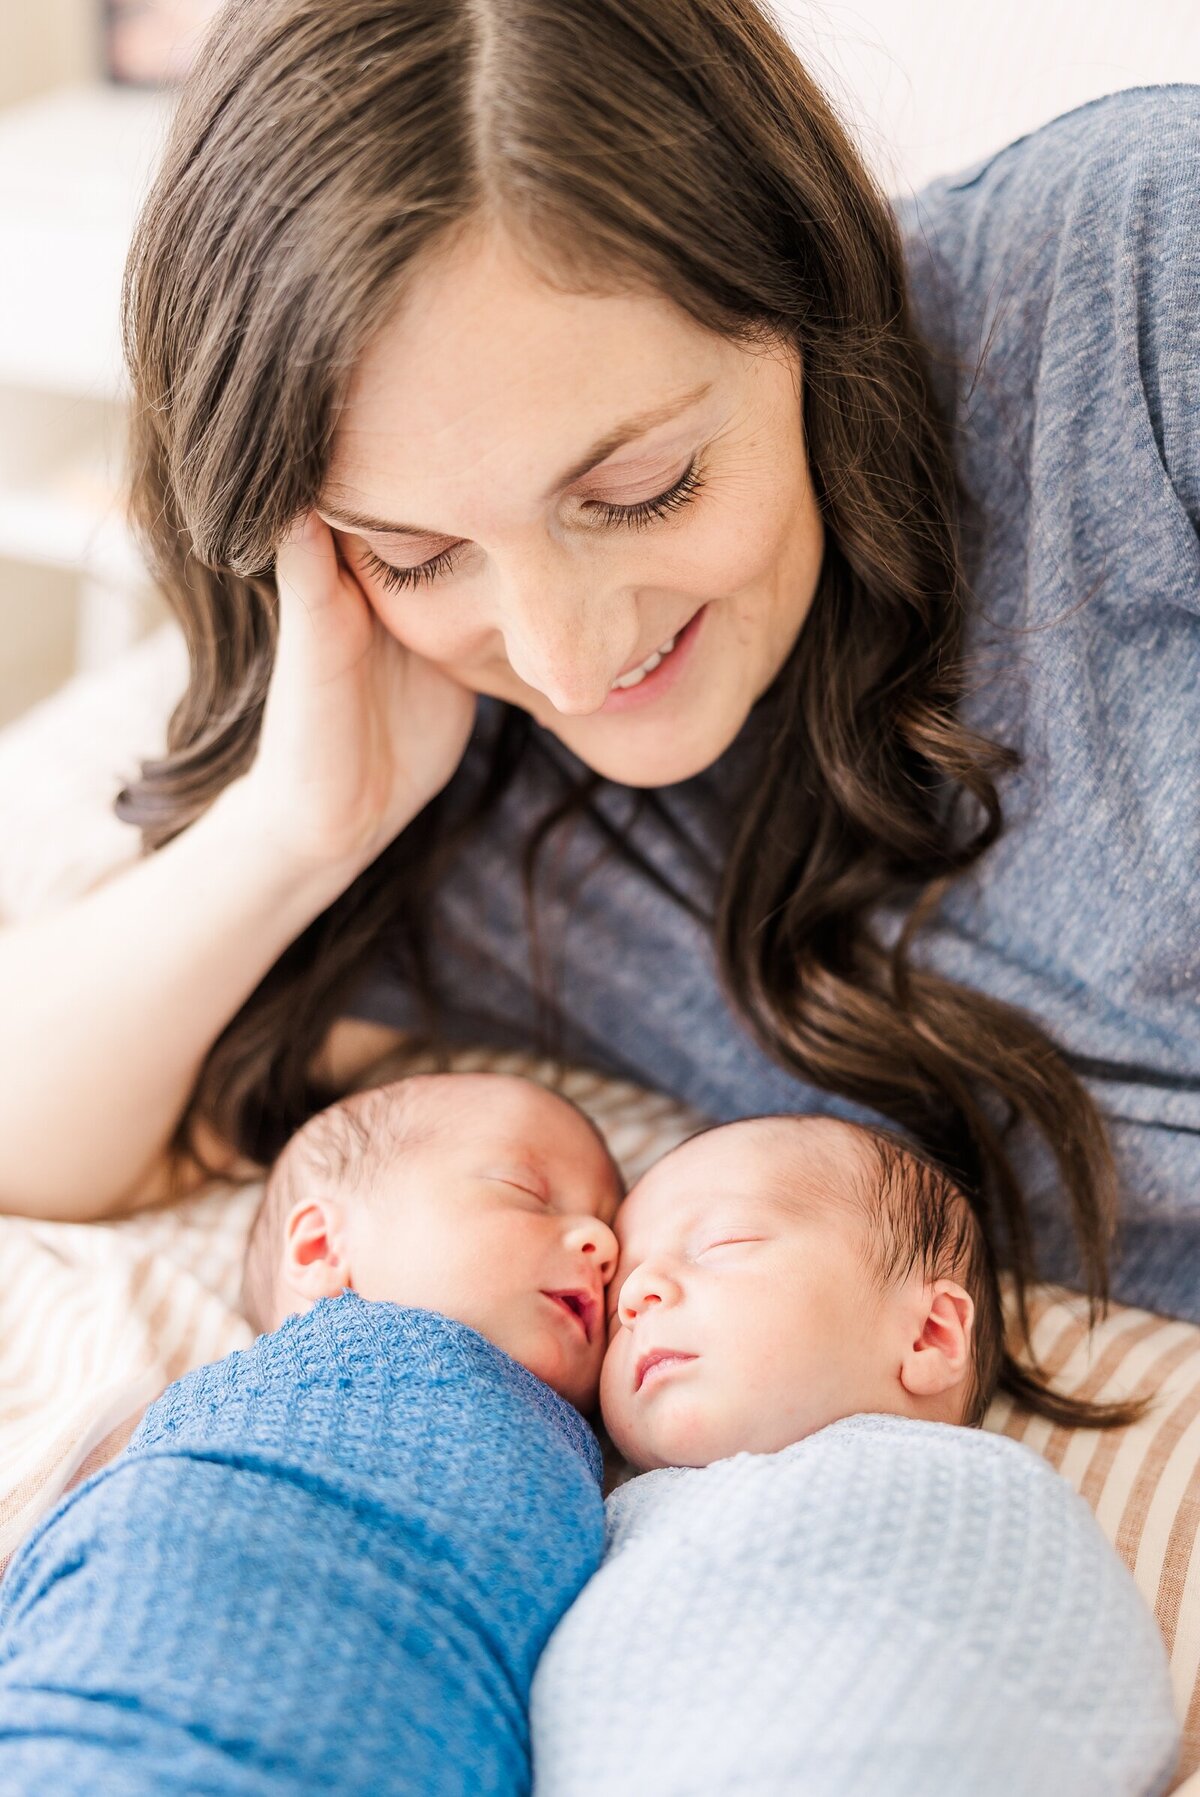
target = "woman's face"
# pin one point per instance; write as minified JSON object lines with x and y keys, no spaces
{"x":540,"y":559}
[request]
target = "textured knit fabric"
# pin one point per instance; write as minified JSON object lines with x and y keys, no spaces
{"x":326,"y":1563}
{"x":888,"y":1609}
{"x":1073,"y":258}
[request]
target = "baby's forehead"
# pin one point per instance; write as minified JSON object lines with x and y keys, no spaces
{"x":484,"y":1111}
{"x":801,"y":1167}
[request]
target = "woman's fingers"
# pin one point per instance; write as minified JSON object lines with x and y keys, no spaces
{"x":306,"y":561}
{"x":358,"y":733}
{"x":323,"y":619}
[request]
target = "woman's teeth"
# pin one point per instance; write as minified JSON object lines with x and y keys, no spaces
{"x":635,"y":675}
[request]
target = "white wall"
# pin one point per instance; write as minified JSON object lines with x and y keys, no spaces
{"x":45,"y":42}
{"x":928,"y":86}
{"x":932,"y":85}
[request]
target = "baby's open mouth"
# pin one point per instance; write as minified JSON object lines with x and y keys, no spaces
{"x":578,"y":1304}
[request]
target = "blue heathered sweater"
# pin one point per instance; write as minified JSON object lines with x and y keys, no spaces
{"x":326,"y":1563}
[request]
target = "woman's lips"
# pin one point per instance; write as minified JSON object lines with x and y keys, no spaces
{"x":665,"y":675}
{"x":657,"y":1364}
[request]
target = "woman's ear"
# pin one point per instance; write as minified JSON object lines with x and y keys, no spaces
{"x":316,"y":1261}
{"x":939,"y":1355}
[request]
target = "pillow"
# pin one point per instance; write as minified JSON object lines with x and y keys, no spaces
{"x":96,"y":1318}
{"x":1142,"y":1481}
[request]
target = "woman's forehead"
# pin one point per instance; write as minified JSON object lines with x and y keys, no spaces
{"x":487,"y":377}
{"x":482,"y":323}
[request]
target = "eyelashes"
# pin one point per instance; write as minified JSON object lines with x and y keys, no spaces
{"x":394,"y":580}
{"x":647,"y":511}
{"x":631,"y":517}
{"x":531,"y":1187}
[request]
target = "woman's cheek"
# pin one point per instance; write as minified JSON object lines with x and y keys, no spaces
{"x":734,"y":544}
{"x":414,"y":618}
{"x":399,"y":617}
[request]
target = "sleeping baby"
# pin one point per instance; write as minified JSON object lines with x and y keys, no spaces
{"x":329,"y":1561}
{"x":828,"y":1584}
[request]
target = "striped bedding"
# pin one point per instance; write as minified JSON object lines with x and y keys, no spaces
{"x":96,"y":1318}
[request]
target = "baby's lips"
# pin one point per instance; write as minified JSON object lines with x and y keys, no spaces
{"x":582,"y":1304}
{"x":656,"y":1357}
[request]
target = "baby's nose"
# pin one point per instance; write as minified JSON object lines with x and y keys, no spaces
{"x":641,"y":1289}
{"x":596,"y":1240}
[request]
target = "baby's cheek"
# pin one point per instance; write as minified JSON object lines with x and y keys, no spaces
{"x":628,"y":1422}
{"x":611,"y":1406}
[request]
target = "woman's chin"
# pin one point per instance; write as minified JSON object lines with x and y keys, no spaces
{"x":648,"y":752}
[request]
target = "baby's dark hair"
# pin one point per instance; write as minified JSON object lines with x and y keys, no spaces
{"x":919,"y":1219}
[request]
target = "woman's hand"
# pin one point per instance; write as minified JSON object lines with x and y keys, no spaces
{"x":358,"y":733}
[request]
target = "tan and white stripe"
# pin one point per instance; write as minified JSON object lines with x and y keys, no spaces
{"x":1143,"y":1481}
{"x":93,"y":1318}
{"x":97,"y":1318}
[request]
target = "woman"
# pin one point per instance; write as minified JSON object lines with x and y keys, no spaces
{"x":610,"y":628}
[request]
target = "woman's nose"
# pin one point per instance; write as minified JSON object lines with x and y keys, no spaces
{"x":572,"y":683}
{"x":645,"y":1287}
{"x":564,"y":640}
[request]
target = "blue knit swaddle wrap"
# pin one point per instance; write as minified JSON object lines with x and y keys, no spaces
{"x":328,"y":1562}
{"x":889,"y":1608}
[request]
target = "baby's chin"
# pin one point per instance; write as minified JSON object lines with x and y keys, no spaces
{"x":650,"y":1442}
{"x":579,"y":1389}
{"x":676,"y":1429}
{"x":585,"y":1399}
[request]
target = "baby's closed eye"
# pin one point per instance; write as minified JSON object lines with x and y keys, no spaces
{"x":520,"y":1179}
{"x":728,"y":1241}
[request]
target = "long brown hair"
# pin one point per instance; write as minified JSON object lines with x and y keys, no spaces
{"x":674,"y":146}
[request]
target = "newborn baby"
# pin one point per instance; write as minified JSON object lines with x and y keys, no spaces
{"x":330,"y":1561}
{"x":829,"y":1585}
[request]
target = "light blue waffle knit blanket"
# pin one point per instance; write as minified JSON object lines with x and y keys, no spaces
{"x":887,"y":1609}
{"x":327,"y":1563}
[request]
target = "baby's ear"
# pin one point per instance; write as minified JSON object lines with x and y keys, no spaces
{"x":315,"y":1249}
{"x":939,"y":1357}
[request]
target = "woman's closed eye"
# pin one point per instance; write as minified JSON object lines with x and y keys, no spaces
{"x":635,"y":517}
{"x":394,"y":580}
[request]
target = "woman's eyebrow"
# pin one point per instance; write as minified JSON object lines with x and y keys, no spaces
{"x":350,"y":519}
